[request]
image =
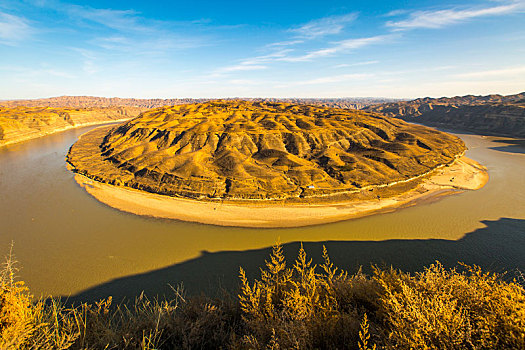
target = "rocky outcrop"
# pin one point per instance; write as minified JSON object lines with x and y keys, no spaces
{"x":492,"y":114}
{"x":24,"y":123}
{"x":259,"y":150}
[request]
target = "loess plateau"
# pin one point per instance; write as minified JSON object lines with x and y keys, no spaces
{"x":238,"y":150}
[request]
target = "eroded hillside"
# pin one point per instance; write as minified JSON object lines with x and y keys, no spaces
{"x":493,"y":114}
{"x":245,"y":150}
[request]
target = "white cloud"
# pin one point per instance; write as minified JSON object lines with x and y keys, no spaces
{"x":494,"y":73}
{"x":253,"y":63}
{"x":338,"y":47}
{"x":336,"y":78}
{"x":327,"y":80}
{"x":395,"y":13}
{"x":128,"y":31}
{"x":25,"y":74}
{"x":413,"y":71}
{"x":13,"y":28}
{"x":364,"y":63}
{"x":123,"y":20}
{"x":239,"y":67}
{"x":285,"y":43}
{"x":146,"y":45}
{"x":324,"y":26}
{"x":442,"y":18}
{"x":89,"y":59}
{"x":266,"y":58}
{"x":243,"y":82}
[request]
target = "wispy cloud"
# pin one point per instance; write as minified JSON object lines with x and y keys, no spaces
{"x":338,"y":47}
{"x":239,"y":67}
{"x":337,"y":78}
{"x":13,"y":29}
{"x":267,"y":58}
{"x":126,"y":30}
{"x":22,"y":73}
{"x":252,"y":63}
{"x":442,"y":18}
{"x":324,"y":26}
{"x":364,"y":63}
{"x":285,"y":43}
{"x":327,"y":80}
{"x":89,"y":59}
{"x":122,"y":20}
{"x":243,"y":82}
{"x":493,"y":73}
{"x":146,"y":45}
{"x":412,"y":71}
{"x":395,"y":13}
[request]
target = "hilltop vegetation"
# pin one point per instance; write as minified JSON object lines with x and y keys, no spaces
{"x":494,"y":114}
{"x":24,"y":123}
{"x":302,"y":306}
{"x":257,"y":150}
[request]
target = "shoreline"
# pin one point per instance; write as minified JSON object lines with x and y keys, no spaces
{"x":463,"y":174}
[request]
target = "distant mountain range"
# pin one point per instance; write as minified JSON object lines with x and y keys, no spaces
{"x":100,"y":102}
{"x":491,"y":114}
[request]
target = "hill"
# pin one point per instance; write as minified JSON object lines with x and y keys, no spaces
{"x":260,"y":150}
{"x":492,"y":114}
{"x":23,"y":123}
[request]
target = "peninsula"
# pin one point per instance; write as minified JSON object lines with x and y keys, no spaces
{"x":268,"y":164}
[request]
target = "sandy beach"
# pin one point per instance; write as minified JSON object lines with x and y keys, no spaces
{"x":463,"y":174}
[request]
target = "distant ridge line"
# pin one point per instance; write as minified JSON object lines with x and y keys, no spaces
{"x":93,"y":101}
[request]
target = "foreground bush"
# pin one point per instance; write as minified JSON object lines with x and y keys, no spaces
{"x":299,"y":307}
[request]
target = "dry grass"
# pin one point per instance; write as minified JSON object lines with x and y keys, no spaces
{"x":303,"y":306}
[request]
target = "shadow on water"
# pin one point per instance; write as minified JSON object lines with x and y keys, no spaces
{"x":511,"y":146}
{"x":500,"y":246}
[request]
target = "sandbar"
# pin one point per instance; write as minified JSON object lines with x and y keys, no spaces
{"x":463,"y":174}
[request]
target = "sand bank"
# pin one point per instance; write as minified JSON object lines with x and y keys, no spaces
{"x":463,"y":174}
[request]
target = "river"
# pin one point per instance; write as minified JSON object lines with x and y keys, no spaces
{"x":67,"y":243}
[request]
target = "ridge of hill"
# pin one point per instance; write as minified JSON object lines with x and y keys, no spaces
{"x":491,"y":114}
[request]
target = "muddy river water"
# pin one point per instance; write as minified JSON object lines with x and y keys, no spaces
{"x":67,"y":243}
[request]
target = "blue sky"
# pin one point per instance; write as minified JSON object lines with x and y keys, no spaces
{"x":305,"y":48}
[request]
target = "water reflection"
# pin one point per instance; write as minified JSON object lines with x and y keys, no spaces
{"x":510,"y":145}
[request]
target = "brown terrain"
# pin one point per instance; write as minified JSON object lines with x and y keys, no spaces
{"x":24,"y":123}
{"x":492,"y":114}
{"x":240,"y":150}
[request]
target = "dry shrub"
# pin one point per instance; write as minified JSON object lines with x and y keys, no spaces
{"x":180,"y":323}
{"x":16,"y":312}
{"x":25,"y":324}
{"x":299,"y":307}
{"x":446,"y":309}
